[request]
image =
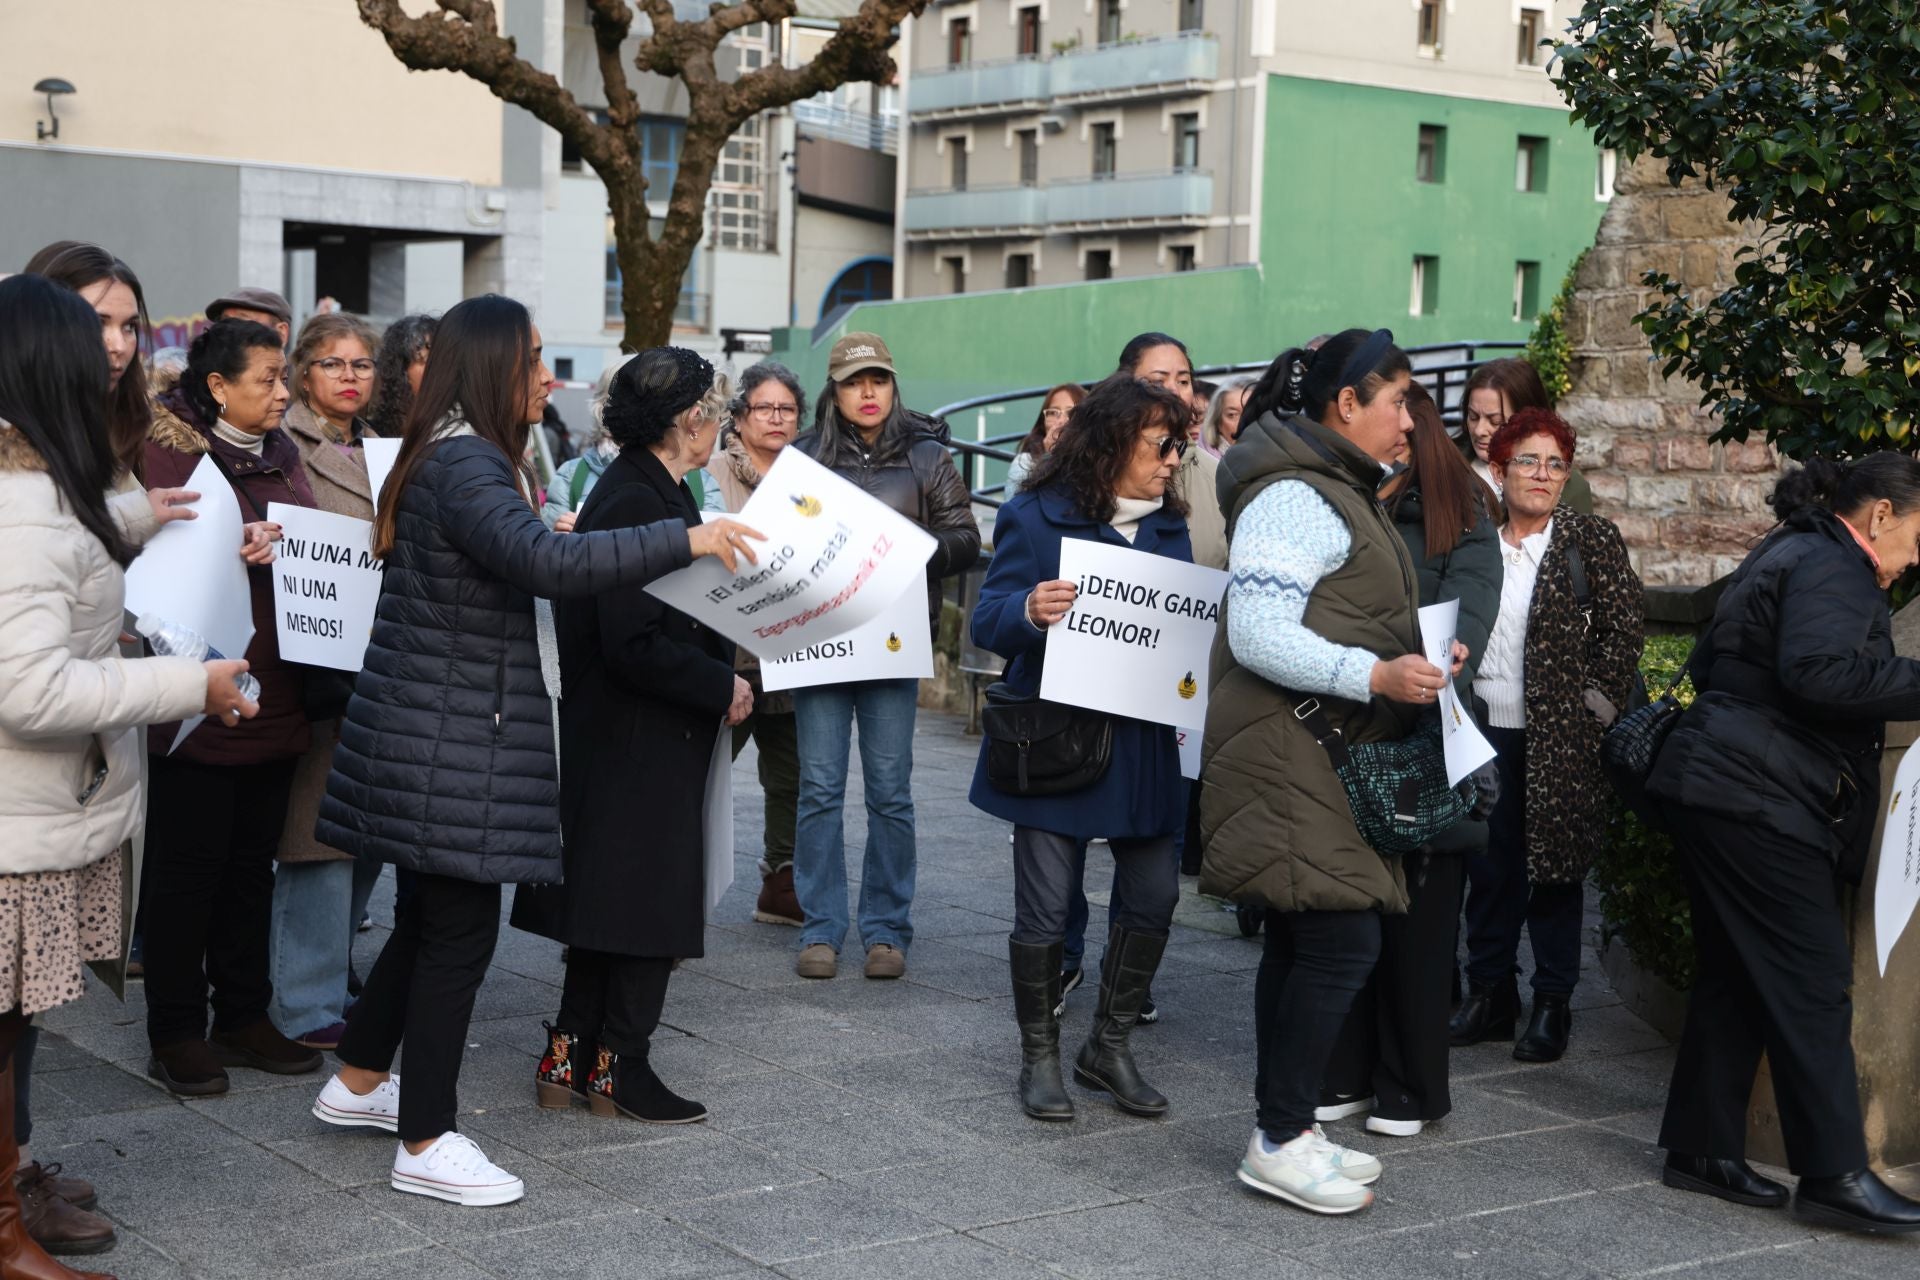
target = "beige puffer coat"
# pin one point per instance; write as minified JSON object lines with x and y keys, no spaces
{"x":70,"y":706}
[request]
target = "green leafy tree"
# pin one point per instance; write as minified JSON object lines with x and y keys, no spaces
{"x":1804,"y":113}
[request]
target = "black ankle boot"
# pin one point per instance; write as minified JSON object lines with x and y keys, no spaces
{"x":623,"y":1084}
{"x":1730,"y":1180}
{"x":562,"y":1074}
{"x":1105,"y":1061}
{"x":1488,"y":1013}
{"x":1036,"y":994}
{"x":1547,"y":1029}
{"x":1856,"y":1201}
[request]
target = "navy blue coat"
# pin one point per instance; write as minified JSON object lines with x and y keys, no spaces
{"x":445,"y":760}
{"x":1142,"y":793}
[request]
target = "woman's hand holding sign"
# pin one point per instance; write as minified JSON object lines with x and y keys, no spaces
{"x":1411,"y":678}
{"x":726,"y":539}
{"x":1050,"y":601}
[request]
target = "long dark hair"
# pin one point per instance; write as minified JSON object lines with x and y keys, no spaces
{"x":75,"y":265}
{"x":1035,"y":442}
{"x":1452,"y":498}
{"x":404,"y":340}
{"x":1512,"y":377}
{"x":1089,"y":460}
{"x":1308,"y":380}
{"x":52,"y":366}
{"x":837,"y":435}
{"x":1841,"y":487}
{"x":482,"y":356}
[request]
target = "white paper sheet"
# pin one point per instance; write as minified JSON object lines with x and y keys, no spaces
{"x":1466,"y":747}
{"x":1139,"y":639}
{"x":897,"y":645}
{"x":1189,"y":740}
{"x":325,"y":586}
{"x":1896,"y":887}
{"x":381,"y":453}
{"x":717,"y":817}
{"x":191,"y":573}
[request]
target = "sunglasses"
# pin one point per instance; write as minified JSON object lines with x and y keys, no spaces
{"x":1170,"y":444}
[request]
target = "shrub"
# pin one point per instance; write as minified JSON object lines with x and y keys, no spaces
{"x":1643,"y":901}
{"x":1549,"y":348}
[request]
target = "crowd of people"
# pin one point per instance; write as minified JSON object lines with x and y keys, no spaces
{"x":219,"y":824}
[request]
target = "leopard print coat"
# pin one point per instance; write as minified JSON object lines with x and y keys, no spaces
{"x":1569,"y":802}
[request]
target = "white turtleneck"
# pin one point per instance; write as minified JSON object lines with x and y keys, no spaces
{"x":1129,"y":512}
{"x":255,"y":445}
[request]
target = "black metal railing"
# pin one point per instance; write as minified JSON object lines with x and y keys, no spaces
{"x":1444,"y":367}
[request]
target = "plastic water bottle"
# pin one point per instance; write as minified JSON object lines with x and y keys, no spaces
{"x":171,"y":640}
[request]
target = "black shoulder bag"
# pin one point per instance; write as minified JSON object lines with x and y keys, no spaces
{"x":1041,"y":748}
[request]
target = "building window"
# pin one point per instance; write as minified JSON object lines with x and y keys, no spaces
{"x":1106,"y":149}
{"x":1430,"y":28}
{"x":1099,"y":264}
{"x":1530,"y":164}
{"x":959,"y":42}
{"x":1019,"y":270}
{"x":660,"y":154}
{"x":1029,"y":140}
{"x":1426,"y":286}
{"x":1185,"y":257}
{"x":1606,"y":170}
{"x":563,"y":368}
{"x":739,"y":198}
{"x":1526,"y":291}
{"x":1531,"y":22}
{"x":1186,"y":140}
{"x":957,"y":163}
{"x":1030,"y":32}
{"x":870,"y":280}
{"x":1430,"y":160}
{"x":1109,"y":21}
{"x":1192,"y":14}
{"x":956,"y":269}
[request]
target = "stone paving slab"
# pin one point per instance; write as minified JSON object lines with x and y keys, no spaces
{"x":870,"y":1129}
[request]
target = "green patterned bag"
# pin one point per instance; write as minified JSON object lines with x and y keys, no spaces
{"x":1397,"y":789}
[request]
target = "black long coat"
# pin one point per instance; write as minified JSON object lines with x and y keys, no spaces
{"x":644,"y":690}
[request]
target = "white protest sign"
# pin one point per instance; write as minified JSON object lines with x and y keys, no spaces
{"x":717,"y":819}
{"x":381,"y":453}
{"x":325,"y":586}
{"x":1139,"y":637}
{"x":1465,"y":746}
{"x":190,"y":573}
{"x":1896,"y":888}
{"x":897,"y":645}
{"x":1189,"y":740}
{"x":834,"y":559}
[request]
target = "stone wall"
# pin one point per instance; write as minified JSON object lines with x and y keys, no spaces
{"x":1688,"y":509}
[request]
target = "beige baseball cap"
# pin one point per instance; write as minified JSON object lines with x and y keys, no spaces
{"x":857,"y":352}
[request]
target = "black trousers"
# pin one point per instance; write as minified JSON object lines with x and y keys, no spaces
{"x":1047,"y":868}
{"x":1502,"y":899}
{"x":1394,"y":1043}
{"x":421,"y":991}
{"x":1773,"y":973}
{"x":1314,"y":964}
{"x":614,"y":1000}
{"x":207,"y":890}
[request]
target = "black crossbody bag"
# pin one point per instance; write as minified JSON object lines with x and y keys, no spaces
{"x":1041,"y":748}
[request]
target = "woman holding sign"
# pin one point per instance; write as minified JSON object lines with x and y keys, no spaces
{"x":1771,"y":784}
{"x":1107,"y":480}
{"x":647,"y":691}
{"x":446,"y":760}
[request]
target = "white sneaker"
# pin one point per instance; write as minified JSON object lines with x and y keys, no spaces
{"x":1341,"y":1110}
{"x":1354,"y":1166}
{"x":1395,"y":1128}
{"x":340,"y":1105}
{"x":454,"y":1169}
{"x":1301,"y":1172}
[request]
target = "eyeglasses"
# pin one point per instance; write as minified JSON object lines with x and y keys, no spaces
{"x":1175,"y":445}
{"x":1532,"y":462}
{"x":1056,"y":411}
{"x":336,"y":368}
{"x":774,"y":411}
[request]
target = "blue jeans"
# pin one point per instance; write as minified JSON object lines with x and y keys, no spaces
{"x":311,"y":937}
{"x":823,"y":722}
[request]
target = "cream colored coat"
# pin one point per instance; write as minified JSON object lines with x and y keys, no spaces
{"x":69,"y":704}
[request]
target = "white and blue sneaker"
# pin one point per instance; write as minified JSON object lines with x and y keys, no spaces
{"x":1301,"y":1172}
{"x":1354,"y":1166}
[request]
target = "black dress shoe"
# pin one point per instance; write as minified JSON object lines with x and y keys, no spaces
{"x":1856,"y":1201}
{"x":1547,"y":1030}
{"x":1488,"y":1013}
{"x":1727,"y":1179}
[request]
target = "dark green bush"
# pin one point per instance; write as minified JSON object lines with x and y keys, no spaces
{"x":1643,"y":901}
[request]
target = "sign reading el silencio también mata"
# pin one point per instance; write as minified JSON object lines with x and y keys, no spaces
{"x":897,"y":645}
{"x":835,"y":558}
{"x":326,"y":584}
{"x":1138,"y":638}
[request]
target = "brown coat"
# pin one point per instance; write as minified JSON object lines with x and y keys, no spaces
{"x":340,"y":485}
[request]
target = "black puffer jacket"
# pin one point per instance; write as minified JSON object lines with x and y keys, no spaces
{"x":445,"y":762}
{"x":1798,"y":678}
{"x":913,"y":473}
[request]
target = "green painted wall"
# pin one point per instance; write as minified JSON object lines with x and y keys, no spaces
{"x":1343,"y":218}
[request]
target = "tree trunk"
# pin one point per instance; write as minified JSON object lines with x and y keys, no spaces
{"x":651,"y":269}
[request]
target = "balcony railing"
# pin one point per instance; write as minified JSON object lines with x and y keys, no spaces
{"x":976,"y":210}
{"x":874,"y":132}
{"x":978,"y":89}
{"x":1180,"y":197}
{"x":1135,"y":68}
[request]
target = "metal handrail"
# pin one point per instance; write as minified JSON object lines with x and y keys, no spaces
{"x":1446,"y":380}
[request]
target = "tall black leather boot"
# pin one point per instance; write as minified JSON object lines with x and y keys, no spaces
{"x":1488,"y":1013}
{"x":1547,"y":1030}
{"x":1105,"y":1061}
{"x":1036,"y":994}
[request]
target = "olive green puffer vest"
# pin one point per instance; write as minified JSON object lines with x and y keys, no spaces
{"x":1274,"y":816}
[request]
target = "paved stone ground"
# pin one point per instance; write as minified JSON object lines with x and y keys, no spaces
{"x":867,"y":1129}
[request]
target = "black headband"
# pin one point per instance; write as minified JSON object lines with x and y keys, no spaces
{"x":1364,"y":359}
{"x":693,"y":377}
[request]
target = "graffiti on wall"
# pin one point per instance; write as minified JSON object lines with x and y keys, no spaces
{"x":177,"y":331}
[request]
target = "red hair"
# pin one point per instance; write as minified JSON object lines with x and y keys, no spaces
{"x":1525,"y":424}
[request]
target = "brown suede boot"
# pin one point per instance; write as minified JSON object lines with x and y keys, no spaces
{"x":777,"y":903}
{"x":20,"y":1257}
{"x":188,"y":1069}
{"x":261,"y":1046}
